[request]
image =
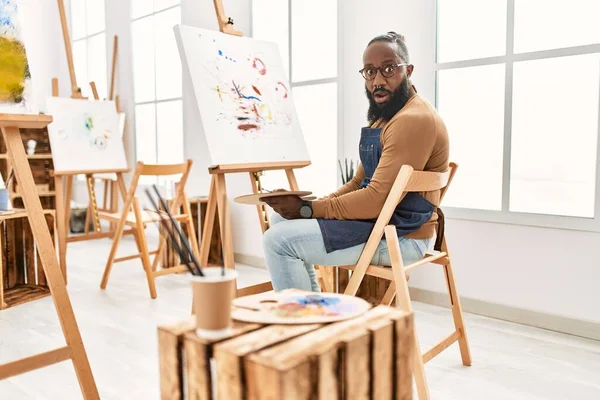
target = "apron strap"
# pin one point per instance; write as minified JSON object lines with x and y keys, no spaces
{"x":440,"y":230}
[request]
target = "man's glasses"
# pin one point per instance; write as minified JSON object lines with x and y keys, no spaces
{"x":387,"y":71}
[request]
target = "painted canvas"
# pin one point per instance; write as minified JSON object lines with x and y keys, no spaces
{"x":244,"y":99}
{"x":85,"y":135}
{"x":15,"y":79}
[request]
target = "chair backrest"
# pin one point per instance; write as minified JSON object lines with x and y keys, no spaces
{"x":164,"y":169}
{"x":406,"y":181}
{"x":142,"y":169}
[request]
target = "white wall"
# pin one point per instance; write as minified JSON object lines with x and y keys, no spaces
{"x":539,"y":269}
{"x":42,"y":35}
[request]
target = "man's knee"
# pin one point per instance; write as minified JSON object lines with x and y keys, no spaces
{"x":277,"y":239}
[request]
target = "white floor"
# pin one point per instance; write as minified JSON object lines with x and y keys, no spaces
{"x":119,"y":332}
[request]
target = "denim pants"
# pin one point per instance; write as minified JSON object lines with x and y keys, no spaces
{"x":292,"y":247}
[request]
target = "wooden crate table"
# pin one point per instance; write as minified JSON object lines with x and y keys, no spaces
{"x":369,"y":357}
{"x":21,"y":278}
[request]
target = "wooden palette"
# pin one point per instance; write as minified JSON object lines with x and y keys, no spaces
{"x":297,"y":308}
{"x":254,"y":199}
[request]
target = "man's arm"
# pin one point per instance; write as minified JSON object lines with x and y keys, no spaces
{"x":350,"y":186}
{"x":407,"y":140}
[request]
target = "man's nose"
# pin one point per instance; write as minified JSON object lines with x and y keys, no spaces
{"x":379,"y":79}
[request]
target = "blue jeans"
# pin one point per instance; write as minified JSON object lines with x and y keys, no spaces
{"x":293,"y":247}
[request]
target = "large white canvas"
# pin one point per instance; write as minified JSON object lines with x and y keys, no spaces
{"x":85,"y":135}
{"x":245,"y":101}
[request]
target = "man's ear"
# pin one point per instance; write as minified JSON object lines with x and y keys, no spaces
{"x":409,"y":70}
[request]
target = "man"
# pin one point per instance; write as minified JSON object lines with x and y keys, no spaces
{"x":404,"y":129}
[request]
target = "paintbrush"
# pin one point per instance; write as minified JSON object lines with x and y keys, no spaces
{"x":170,"y":235}
{"x":182,"y":254}
{"x":182,"y":237}
{"x":10,"y":176}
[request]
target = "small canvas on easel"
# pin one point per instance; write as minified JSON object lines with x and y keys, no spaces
{"x":85,"y":135}
{"x":243,"y":96}
{"x":15,"y":79}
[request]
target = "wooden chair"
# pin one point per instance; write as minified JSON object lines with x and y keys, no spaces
{"x":412,"y":181}
{"x":137,"y":219}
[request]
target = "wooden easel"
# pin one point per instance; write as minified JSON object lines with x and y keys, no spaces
{"x":10,"y":125}
{"x":64,"y":188}
{"x":217,"y":198}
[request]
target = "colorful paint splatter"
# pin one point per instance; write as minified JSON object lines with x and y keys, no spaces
{"x":313,"y":305}
{"x":83,"y":129}
{"x":14,"y":68}
{"x":252,"y":100}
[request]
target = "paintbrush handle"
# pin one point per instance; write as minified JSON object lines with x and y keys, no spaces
{"x":181,"y":235}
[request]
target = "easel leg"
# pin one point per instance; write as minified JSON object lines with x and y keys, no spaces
{"x":47,"y":252}
{"x":114,"y":202}
{"x":225,"y":222}
{"x":67,"y":213}
{"x":62,"y":234}
{"x":209,"y":222}
{"x":93,"y":202}
{"x":263,"y":216}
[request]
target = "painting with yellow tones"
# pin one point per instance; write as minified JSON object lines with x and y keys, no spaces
{"x":15,"y":79}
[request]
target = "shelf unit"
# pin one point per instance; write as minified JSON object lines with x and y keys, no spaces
{"x":41,"y":165}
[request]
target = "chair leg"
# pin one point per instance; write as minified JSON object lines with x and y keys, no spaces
{"x":403,"y":302}
{"x":112,"y":254}
{"x":325,"y":278}
{"x":141,"y":237}
{"x":457,"y":315}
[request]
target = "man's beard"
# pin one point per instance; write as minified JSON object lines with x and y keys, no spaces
{"x":385,"y":111}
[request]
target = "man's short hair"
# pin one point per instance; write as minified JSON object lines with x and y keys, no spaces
{"x":398,"y":40}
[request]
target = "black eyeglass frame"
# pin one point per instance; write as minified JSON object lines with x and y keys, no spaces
{"x":380,"y":69}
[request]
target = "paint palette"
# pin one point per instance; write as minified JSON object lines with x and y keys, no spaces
{"x":294,"y":307}
{"x":254,"y":199}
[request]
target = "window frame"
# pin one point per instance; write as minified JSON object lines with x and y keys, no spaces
{"x":315,"y":82}
{"x":504,"y":215}
{"x":156,"y":101}
{"x":87,"y":39}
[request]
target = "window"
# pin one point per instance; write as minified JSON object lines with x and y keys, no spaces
{"x":88,"y":38}
{"x":157,"y":81}
{"x":296,"y":27}
{"x":521,"y":101}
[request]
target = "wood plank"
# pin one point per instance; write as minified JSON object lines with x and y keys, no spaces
{"x":356,"y":358}
{"x":11,"y":261}
{"x":329,"y":374}
{"x":27,"y":121}
{"x":29,"y":248}
{"x":24,"y":293}
{"x":256,"y":167}
{"x":41,"y":360}
{"x":170,"y":365}
{"x":230,"y":355}
{"x":266,"y":383}
{"x":197,"y":361}
{"x":404,"y":356}
{"x":383,"y":355}
{"x":287,"y":355}
{"x":19,"y":255}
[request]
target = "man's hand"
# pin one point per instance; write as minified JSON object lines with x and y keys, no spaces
{"x":288,"y":206}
